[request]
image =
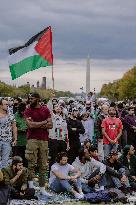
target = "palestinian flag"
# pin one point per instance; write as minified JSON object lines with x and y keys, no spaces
{"x":36,"y":53}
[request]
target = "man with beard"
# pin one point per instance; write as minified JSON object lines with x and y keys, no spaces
{"x":64,"y":177}
{"x":75,"y":127}
{"x":38,"y":119}
{"x":116,"y":174}
{"x":128,"y":160}
{"x":16,"y":176}
{"x":16,"y":102}
{"x":111,"y":130}
{"x":130,"y":124}
{"x":102,"y":115}
{"x":91,"y":171}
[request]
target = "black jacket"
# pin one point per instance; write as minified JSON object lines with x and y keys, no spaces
{"x":73,"y":135}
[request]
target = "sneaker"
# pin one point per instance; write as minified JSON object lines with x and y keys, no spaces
{"x":79,"y":196}
{"x":82,"y":195}
{"x":100,"y":189}
{"x":37,"y":188}
{"x":44,"y":192}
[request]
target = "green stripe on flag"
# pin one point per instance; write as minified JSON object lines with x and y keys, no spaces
{"x":26,"y":65}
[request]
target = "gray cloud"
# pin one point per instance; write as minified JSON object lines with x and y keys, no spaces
{"x":103,"y":28}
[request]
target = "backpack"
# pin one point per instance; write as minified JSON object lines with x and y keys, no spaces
{"x":98,"y":197}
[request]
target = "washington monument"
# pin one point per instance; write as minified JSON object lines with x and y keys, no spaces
{"x":88,"y":75}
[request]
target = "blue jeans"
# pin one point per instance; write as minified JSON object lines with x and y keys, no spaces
{"x":117,"y":182}
{"x":86,"y":189}
{"x":102,"y":181}
{"x":113,"y":181}
{"x":5,"y":149}
{"x":108,"y":148}
{"x":61,"y":185}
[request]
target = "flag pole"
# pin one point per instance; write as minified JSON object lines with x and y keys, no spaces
{"x":53,"y":79}
{"x":53,"y":86}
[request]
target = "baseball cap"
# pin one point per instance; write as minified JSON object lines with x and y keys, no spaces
{"x":35,"y":95}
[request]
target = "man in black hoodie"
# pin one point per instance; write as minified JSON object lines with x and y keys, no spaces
{"x":130,"y":125}
{"x":75,"y":128}
{"x":116,"y":175}
{"x":128,"y":160}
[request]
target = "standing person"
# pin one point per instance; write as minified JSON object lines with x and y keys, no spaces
{"x":75,"y":127}
{"x":22,"y":131}
{"x":111,"y":130}
{"x":88,"y":124}
{"x":130,"y":125}
{"x":16,"y":103}
{"x":38,"y":119}
{"x":121,"y":112}
{"x":8,"y":132}
{"x":58,"y":135}
{"x":102,"y":115}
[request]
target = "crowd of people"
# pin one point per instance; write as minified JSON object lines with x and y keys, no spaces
{"x":87,"y":145}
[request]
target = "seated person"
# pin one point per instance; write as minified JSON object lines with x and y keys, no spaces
{"x":93,"y":152}
{"x":4,"y":191}
{"x":128,"y":160}
{"x":15,"y":175}
{"x":64,"y":177}
{"x":87,"y":144}
{"x":91,"y":171}
{"x":116,"y":175}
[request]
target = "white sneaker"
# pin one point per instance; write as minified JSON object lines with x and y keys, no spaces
{"x":44,"y":192}
{"x":100,"y":189}
{"x":79,"y":196}
{"x":82,"y":195}
{"x":31,"y":185}
{"x":37,"y":188}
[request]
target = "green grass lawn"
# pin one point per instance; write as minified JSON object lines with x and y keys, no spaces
{"x":85,"y":203}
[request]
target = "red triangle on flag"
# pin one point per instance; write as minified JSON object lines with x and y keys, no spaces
{"x":44,"y":46}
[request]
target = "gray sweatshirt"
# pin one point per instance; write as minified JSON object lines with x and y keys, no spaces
{"x":88,"y":168}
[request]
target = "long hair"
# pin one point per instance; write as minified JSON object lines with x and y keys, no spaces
{"x":60,"y":156}
{"x":21,"y":108}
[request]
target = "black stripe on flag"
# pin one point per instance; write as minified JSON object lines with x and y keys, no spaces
{"x":29,"y":42}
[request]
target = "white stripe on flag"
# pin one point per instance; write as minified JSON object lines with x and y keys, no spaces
{"x":22,"y":54}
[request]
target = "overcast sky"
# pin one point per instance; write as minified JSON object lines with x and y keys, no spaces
{"x":104,"y":29}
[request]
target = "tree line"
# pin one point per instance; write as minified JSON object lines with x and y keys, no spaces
{"x":23,"y":91}
{"x":122,"y":89}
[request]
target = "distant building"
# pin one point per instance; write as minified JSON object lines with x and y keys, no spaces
{"x":28,"y":84}
{"x":43,"y":83}
{"x":32,"y":88}
{"x":88,"y":75}
{"x":38,"y":84}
